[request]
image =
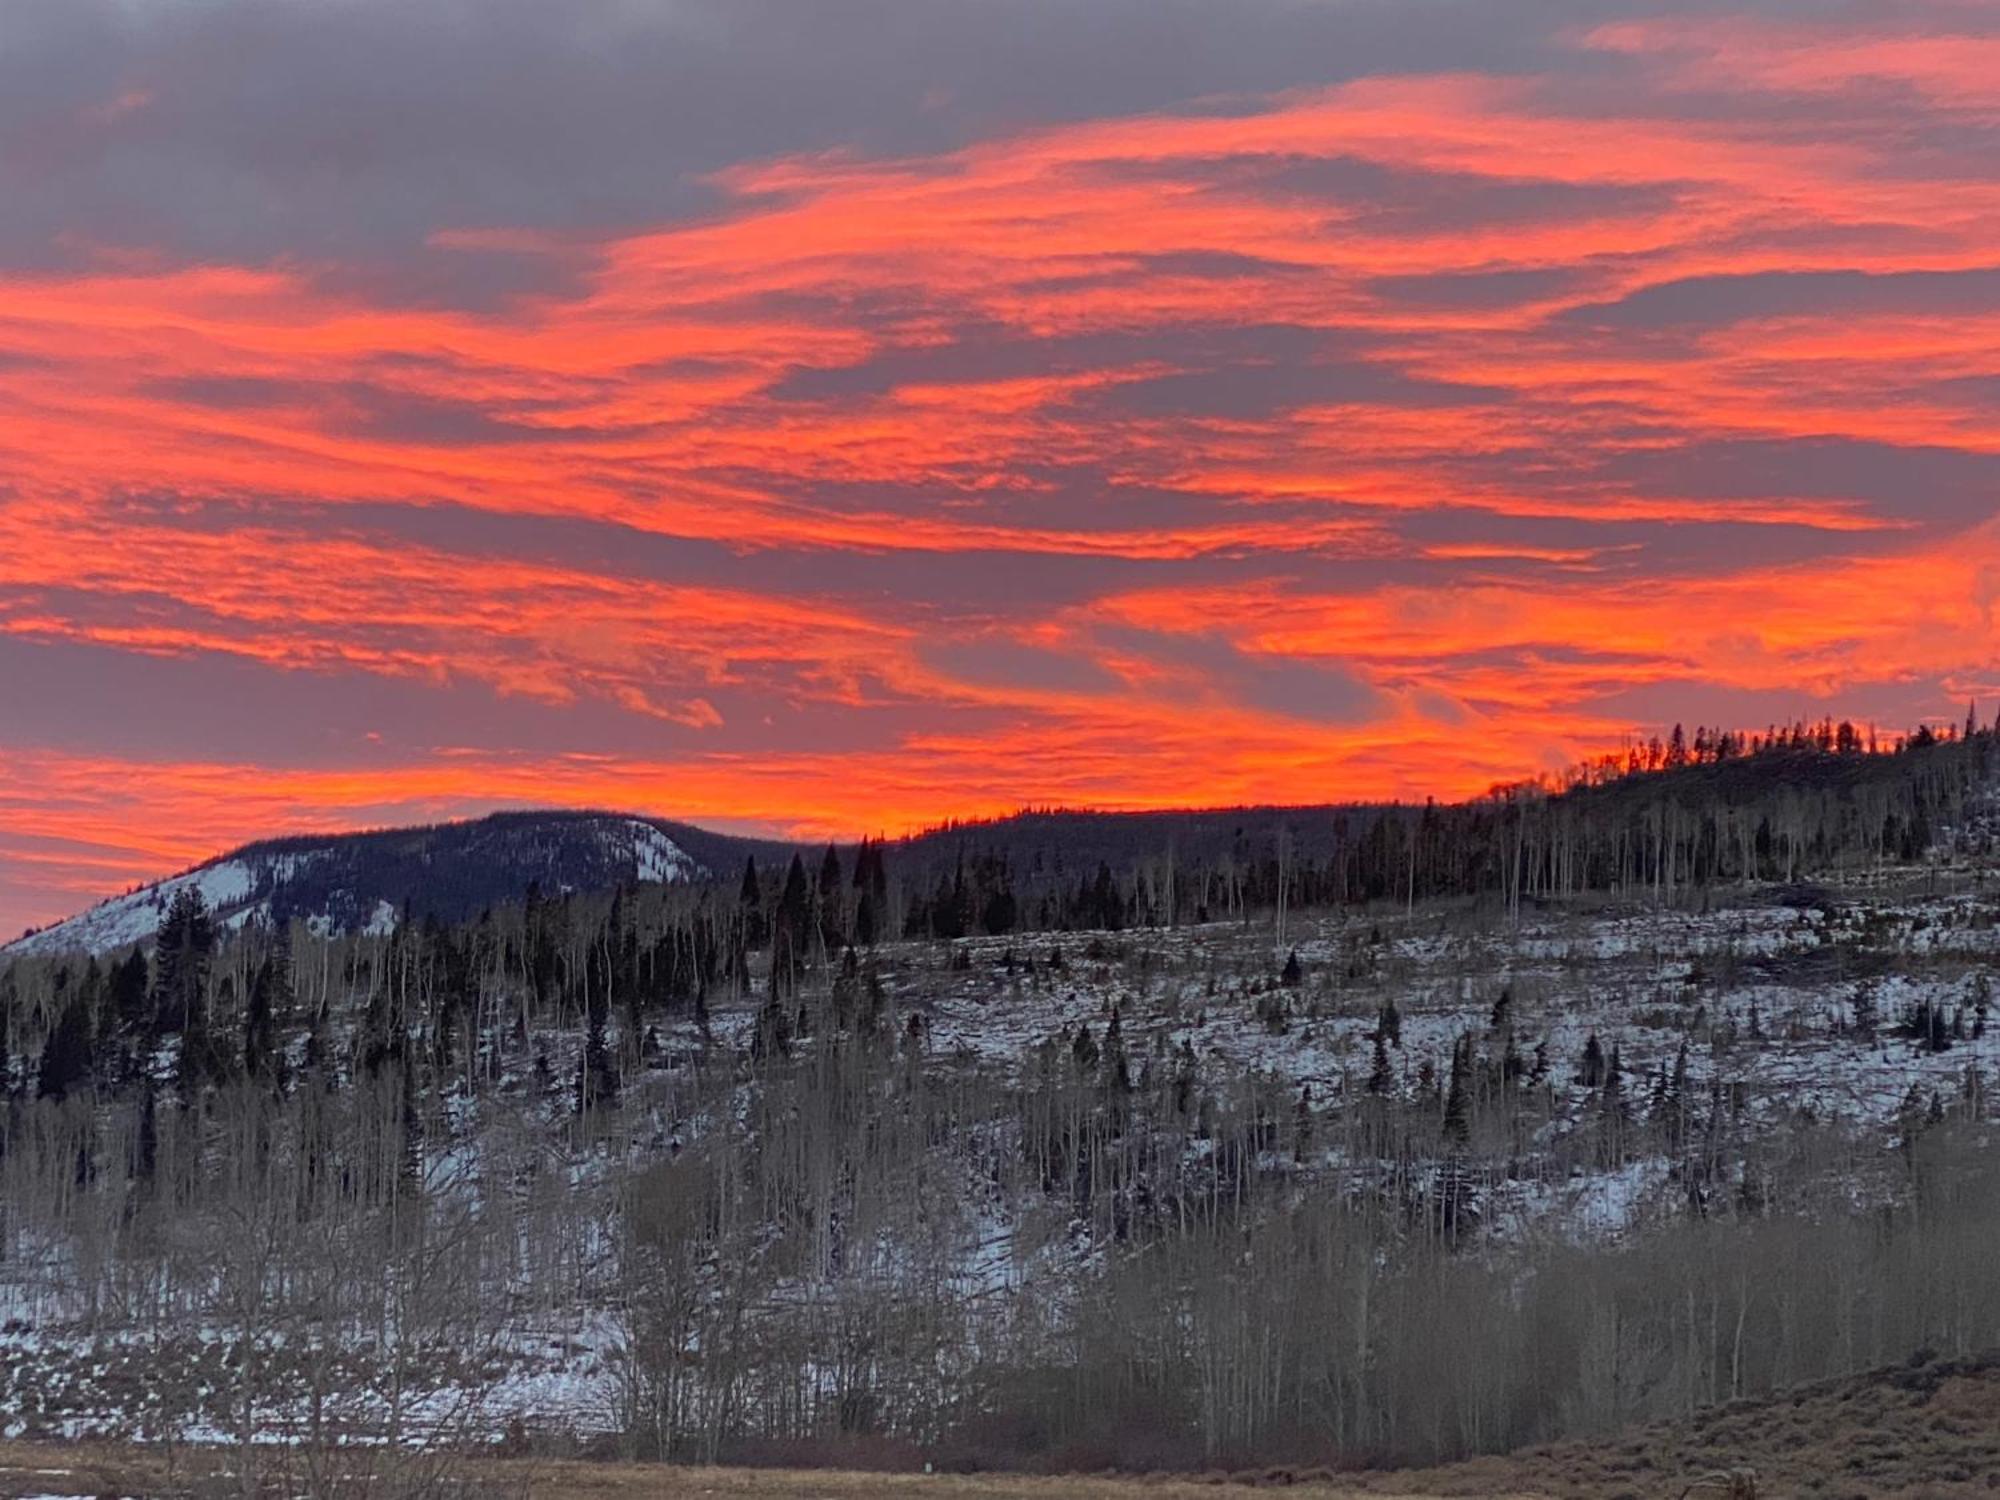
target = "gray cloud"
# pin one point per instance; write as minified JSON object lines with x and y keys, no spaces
{"x":1311,"y":691}
{"x":250,"y":129}
{"x":1706,"y":300}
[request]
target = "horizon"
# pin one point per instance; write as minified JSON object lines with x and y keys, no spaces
{"x":804,"y":419}
{"x":1605,"y":766}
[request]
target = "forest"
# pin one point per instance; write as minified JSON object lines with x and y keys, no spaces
{"x":1363,"y":1136}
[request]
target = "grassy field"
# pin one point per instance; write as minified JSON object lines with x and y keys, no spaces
{"x":1928,"y":1431}
{"x":92,"y":1469}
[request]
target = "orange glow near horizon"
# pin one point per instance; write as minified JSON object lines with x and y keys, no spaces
{"x":1390,"y":437}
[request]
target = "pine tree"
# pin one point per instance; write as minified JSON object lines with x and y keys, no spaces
{"x":1866,"y":1018}
{"x":260,"y":1027}
{"x":182,"y":948}
{"x":791,"y":929}
{"x":1382,"y":1076}
{"x":1590,"y":1070}
{"x":1292,"y":976}
{"x":1083,"y":1050}
{"x":1118,"y":1070}
{"x":597,"y":1079}
{"x":1184,"y":1079}
{"x":66,"y":1056}
{"x":750,"y":906}
{"x":832,"y":915}
{"x":1614,"y":1085}
{"x":1457,"y":1106}
{"x":1677,"y":1095}
{"x":131,"y":983}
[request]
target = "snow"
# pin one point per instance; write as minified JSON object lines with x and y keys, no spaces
{"x":659,"y":858}
{"x":225,"y":885}
{"x":1645,"y":980}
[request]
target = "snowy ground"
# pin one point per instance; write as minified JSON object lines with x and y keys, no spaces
{"x":1763,"y":988}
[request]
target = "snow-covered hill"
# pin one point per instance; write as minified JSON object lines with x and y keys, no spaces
{"x":362,"y":882}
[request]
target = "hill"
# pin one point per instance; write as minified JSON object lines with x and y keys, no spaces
{"x":365,"y":882}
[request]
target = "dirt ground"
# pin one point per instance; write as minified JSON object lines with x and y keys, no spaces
{"x":1927,"y":1431}
{"x":93,"y":1470}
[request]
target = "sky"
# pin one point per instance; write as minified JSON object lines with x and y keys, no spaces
{"x":832,"y":416}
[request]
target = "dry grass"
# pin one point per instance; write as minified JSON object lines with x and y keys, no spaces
{"x":1930,"y":1431}
{"x":96,"y":1468}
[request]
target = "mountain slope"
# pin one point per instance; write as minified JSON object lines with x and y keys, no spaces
{"x":363,"y":881}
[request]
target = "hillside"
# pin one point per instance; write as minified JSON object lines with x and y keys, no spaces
{"x":1925,"y":1429}
{"x":364,"y":882}
{"x":977,"y":1159}
{"x":1357,"y":1155}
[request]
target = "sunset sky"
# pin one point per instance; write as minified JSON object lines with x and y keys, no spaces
{"x":834,"y":415}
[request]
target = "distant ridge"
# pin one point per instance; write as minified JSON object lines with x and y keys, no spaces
{"x":363,"y":881}
{"x":1813,"y":793}
{"x":353,"y":882}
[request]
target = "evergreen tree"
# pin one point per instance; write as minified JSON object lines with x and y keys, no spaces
{"x":1292,"y":976}
{"x":750,"y":906}
{"x":871,"y":893}
{"x":131,"y":984}
{"x":182,"y":949}
{"x":260,"y":1026}
{"x":795,"y":903}
{"x":1590,"y":1070}
{"x":1118,"y":1068}
{"x":792,"y":931}
{"x":1677,"y":1097}
{"x":1614,"y":1084}
{"x":832,"y":912}
{"x":66,"y":1056}
{"x":1457,"y":1106}
{"x":1382,"y":1076}
{"x":597,"y":1080}
{"x":1083,"y":1050}
{"x":1865,"y":1017}
{"x":1184,"y":1079}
